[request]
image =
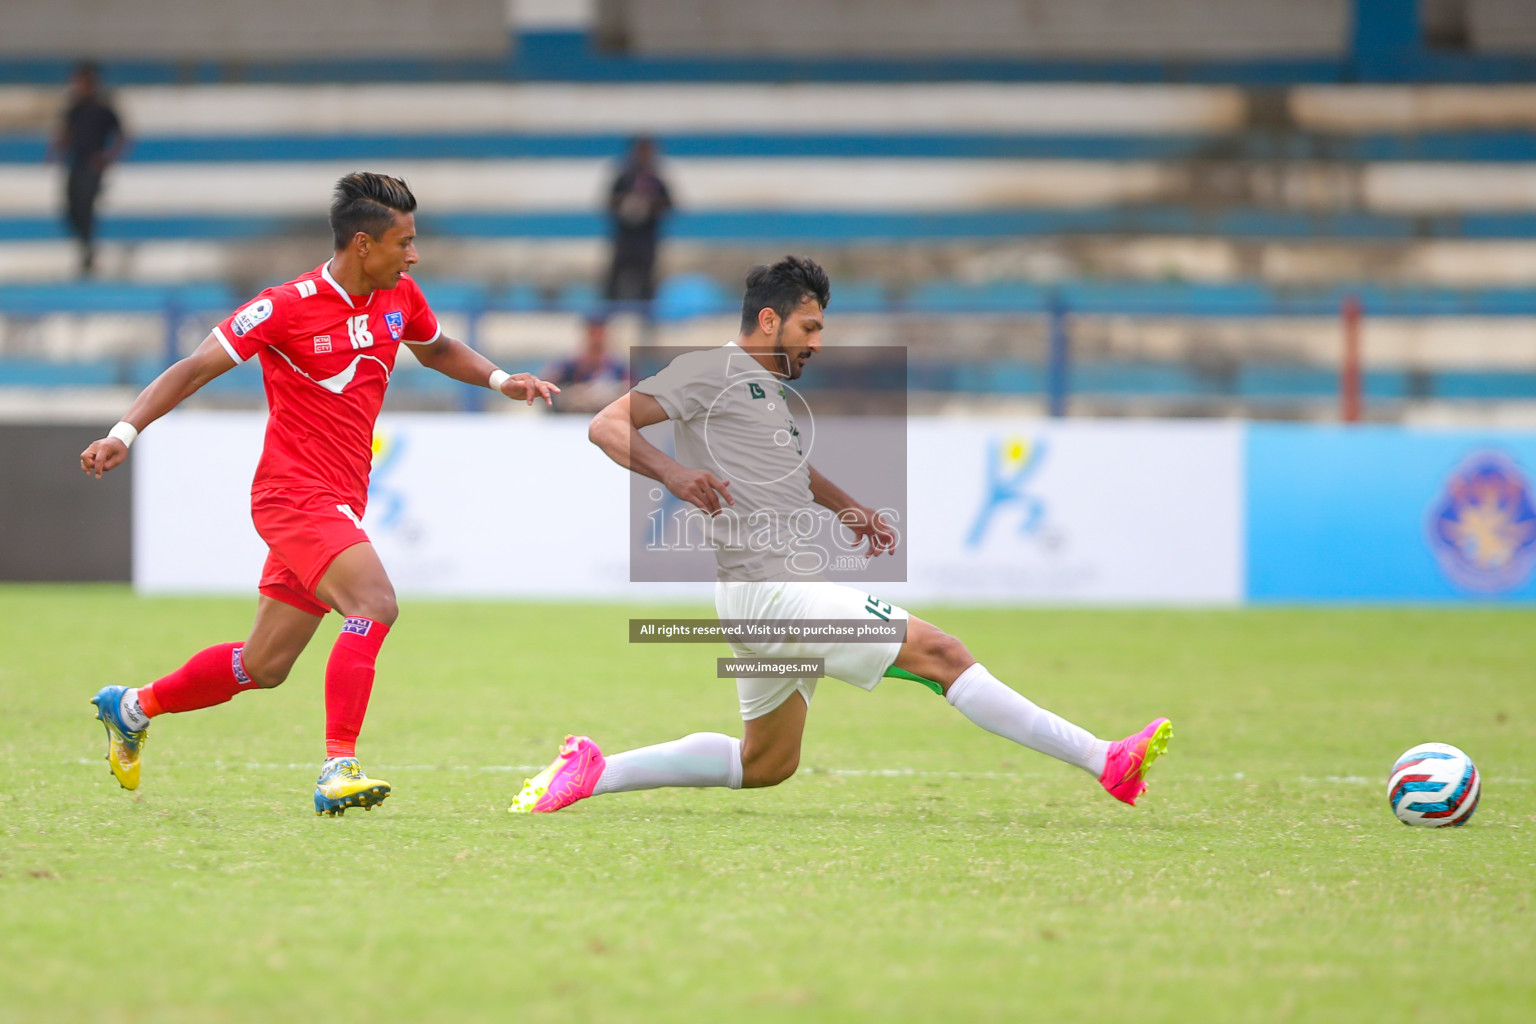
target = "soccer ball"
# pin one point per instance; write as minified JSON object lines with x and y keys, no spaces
{"x":1434,"y":784}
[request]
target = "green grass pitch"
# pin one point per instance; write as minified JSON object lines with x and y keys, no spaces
{"x":917,"y":869}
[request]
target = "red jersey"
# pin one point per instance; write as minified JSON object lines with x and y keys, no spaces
{"x":326,"y":357}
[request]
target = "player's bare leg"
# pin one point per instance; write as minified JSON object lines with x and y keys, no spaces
{"x":770,"y":745}
{"x":356,"y":585}
{"x":210,"y":677}
{"x":278,"y":636}
{"x":932,"y":656}
{"x":768,"y":754}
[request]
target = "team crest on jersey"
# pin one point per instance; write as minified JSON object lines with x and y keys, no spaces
{"x":322,"y":344}
{"x":395,"y":320}
{"x":1482,"y":528}
{"x":247,"y":319}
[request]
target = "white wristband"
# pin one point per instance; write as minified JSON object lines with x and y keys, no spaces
{"x":125,"y":432}
{"x":498,"y":378}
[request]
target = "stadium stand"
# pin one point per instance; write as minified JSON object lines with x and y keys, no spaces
{"x":1192,"y":207}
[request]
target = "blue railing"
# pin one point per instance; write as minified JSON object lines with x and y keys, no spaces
{"x":689,"y":296}
{"x":1471,"y":146}
{"x":838,"y":227}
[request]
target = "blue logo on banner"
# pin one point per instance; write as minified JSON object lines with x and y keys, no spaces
{"x":396,"y":322}
{"x":1010,"y":463}
{"x":1482,"y":527}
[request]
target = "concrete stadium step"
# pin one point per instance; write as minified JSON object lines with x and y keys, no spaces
{"x":432,"y":108}
{"x":917,"y":186}
{"x":548,"y":263}
{"x":1081,"y":109}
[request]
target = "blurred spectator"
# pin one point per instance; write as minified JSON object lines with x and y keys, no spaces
{"x":591,"y":378}
{"x":89,"y":139}
{"x":636,"y":204}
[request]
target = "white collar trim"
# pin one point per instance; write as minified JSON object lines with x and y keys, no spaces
{"x":325,"y":272}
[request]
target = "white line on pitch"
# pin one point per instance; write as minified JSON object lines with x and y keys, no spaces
{"x":889,"y":773}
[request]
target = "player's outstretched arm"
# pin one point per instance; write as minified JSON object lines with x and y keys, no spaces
{"x":616,"y":430}
{"x":179,"y":381}
{"x":453,"y":358}
{"x":861,"y":520}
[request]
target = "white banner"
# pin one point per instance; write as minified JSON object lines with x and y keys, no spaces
{"x":1117,"y":511}
{"x":192,"y":529}
{"x":524,"y":505}
{"x":459,"y":505}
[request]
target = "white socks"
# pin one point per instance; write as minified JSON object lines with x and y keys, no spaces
{"x":981,"y":697}
{"x":699,"y":759}
{"x":714,"y":759}
{"x":128,"y":707}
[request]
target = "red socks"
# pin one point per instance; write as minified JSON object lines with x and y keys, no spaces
{"x":349,"y":682}
{"x":209,"y":677}
{"x":215,"y":675}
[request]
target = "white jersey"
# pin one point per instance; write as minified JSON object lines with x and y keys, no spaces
{"x":731,"y":417}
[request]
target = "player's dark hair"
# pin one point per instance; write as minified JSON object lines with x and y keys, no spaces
{"x":782,"y":287}
{"x":364,"y":201}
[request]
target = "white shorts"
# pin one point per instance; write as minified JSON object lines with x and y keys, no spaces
{"x":863,"y":665}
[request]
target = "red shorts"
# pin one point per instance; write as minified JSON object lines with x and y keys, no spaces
{"x":304,"y":531}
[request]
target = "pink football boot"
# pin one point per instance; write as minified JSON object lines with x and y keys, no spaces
{"x":1129,"y":759}
{"x":570,"y":777}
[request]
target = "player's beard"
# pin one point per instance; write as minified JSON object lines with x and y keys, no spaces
{"x":791,"y":366}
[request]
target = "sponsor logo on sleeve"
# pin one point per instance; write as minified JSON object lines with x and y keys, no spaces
{"x":246,"y":320}
{"x":322,"y":344}
{"x":396,"y":322}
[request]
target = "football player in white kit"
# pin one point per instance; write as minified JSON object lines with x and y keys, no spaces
{"x":738,"y":459}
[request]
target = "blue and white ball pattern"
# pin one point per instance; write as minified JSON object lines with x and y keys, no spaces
{"x":1434,"y":784}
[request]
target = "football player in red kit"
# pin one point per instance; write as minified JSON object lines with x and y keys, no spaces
{"x":327,"y":342}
